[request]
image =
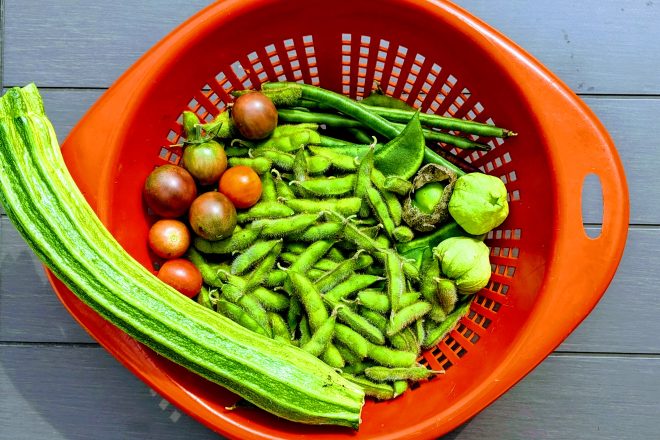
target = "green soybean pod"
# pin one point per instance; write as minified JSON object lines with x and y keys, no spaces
{"x":252,"y":255}
{"x":354,"y":341}
{"x":238,"y":315}
{"x":321,"y":231}
{"x":293,"y":314}
{"x":305,"y":332}
{"x":315,"y":274}
{"x":352,"y":285}
{"x":403,"y":234}
{"x":353,"y":234}
{"x":264,"y":209}
{"x":335,"y":255}
{"x":209,"y":271}
{"x":345,"y":206}
{"x":377,"y":178}
{"x":311,"y":299}
{"x":318,"y":164}
{"x":325,"y":264}
{"x":288,"y":257}
{"x":414,"y":374}
{"x":379,"y":208}
{"x":238,"y":241}
{"x":322,"y":337}
{"x":374,"y":300}
{"x":264,"y":269}
{"x":295,"y":247}
{"x":388,"y":357}
{"x":340,"y":273}
{"x":406,"y":316}
{"x":348,"y":356}
{"x":235,"y":280}
{"x":397,"y":184}
{"x":327,"y":186}
{"x":375,"y":318}
{"x":268,"y":191}
{"x":260,"y":165}
{"x":275,"y":278}
{"x":358,"y":323}
{"x":396,"y":281}
{"x":338,"y":160}
{"x":204,"y":298}
{"x":400,"y":387}
{"x":310,"y":256}
{"x":380,"y":391}
{"x":363,"y":181}
{"x":435,"y":332}
{"x":405,"y":340}
{"x":372,"y":231}
{"x":270,"y":300}
{"x":278,"y":158}
{"x":357,"y":367}
{"x":383,"y":241}
{"x":275,"y":228}
{"x":232,"y":292}
{"x":446,"y":293}
{"x":284,"y":191}
{"x":250,"y":304}
{"x":394,"y":207}
{"x":280,"y":329}
{"x":420,"y":331}
{"x":332,"y":357}
{"x":300,"y":166}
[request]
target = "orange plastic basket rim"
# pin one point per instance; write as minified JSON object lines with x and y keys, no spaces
{"x":541,"y":334}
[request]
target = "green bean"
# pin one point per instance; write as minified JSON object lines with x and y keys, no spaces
{"x":397,"y":184}
{"x":311,"y":299}
{"x":264,"y":210}
{"x":278,"y":158}
{"x":280,"y":329}
{"x":353,"y":284}
{"x":238,"y":241}
{"x":274,"y":228}
{"x":446,"y":293}
{"x":450,"y":139}
{"x":396,"y":282}
{"x":388,"y":357}
{"x":339,"y":161}
{"x":263,"y":270}
{"x":346,"y":206}
{"x":360,"y":135}
{"x":431,"y":156}
{"x":357,"y":367}
{"x":415,"y":374}
{"x":353,"y":340}
{"x":363,"y":181}
{"x":403,"y":234}
{"x":281,"y":97}
{"x":270,"y":300}
{"x":332,"y":357}
{"x":380,"y":391}
{"x":252,"y":255}
{"x":327,"y":119}
{"x":437,"y":121}
{"x":322,"y":337}
{"x":310,"y":256}
{"x":379,"y":208}
{"x":400,"y":387}
{"x":406,"y":316}
{"x":327,"y":187}
{"x":435,"y":332}
{"x":238,"y":315}
{"x":321,"y":231}
{"x":284,"y":191}
{"x":260,"y":165}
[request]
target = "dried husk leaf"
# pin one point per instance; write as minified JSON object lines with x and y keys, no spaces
{"x":412,"y":215}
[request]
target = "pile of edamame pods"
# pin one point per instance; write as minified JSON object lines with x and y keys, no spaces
{"x":325,"y":260}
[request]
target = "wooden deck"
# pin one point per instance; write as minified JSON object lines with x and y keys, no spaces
{"x":602,"y":383}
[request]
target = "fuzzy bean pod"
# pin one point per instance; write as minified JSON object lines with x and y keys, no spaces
{"x":311,"y":299}
{"x":322,"y":337}
{"x":275,"y":228}
{"x":238,"y":315}
{"x":327,"y":187}
{"x":264,"y":210}
{"x":406,"y":316}
{"x":252,"y":255}
{"x":238,"y":241}
{"x":352,"y":340}
{"x":380,"y":391}
{"x":388,"y":357}
{"x":347,"y":206}
{"x":415,"y":374}
{"x":353,"y":284}
{"x":260,"y":165}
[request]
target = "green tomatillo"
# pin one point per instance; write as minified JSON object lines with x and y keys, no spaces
{"x":465,"y":261}
{"x":479,"y":203}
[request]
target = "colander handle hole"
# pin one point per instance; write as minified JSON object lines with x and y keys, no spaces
{"x":592,"y":205}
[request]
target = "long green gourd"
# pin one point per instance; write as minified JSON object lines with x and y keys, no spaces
{"x":43,"y":202}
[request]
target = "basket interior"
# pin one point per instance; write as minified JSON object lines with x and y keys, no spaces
{"x":456,"y":79}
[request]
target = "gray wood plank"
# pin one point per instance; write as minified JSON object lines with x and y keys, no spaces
{"x":64,"y":392}
{"x":625,"y":320}
{"x":594,"y":46}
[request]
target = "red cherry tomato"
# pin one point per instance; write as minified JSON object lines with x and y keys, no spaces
{"x":182,"y":275}
{"x":169,"y":238}
{"x":241,"y":185}
{"x":169,"y":190}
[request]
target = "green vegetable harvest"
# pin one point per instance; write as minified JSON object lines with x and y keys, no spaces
{"x":465,"y":261}
{"x":479,"y":203}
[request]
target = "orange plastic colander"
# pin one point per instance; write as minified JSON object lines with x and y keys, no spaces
{"x":547,"y":273}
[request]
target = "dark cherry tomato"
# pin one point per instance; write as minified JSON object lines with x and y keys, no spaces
{"x":182,"y":275}
{"x":206,"y":161}
{"x":169,"y":190}
{"x":212,"y":216}
{"x":169,"y":238}
{"x":242,"y":185}
{"x":255,"y":115}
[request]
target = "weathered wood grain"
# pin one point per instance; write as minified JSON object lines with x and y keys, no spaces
{"x":81,"y":392}
{"x":590,"y":44}
{"x":29,"y":310}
